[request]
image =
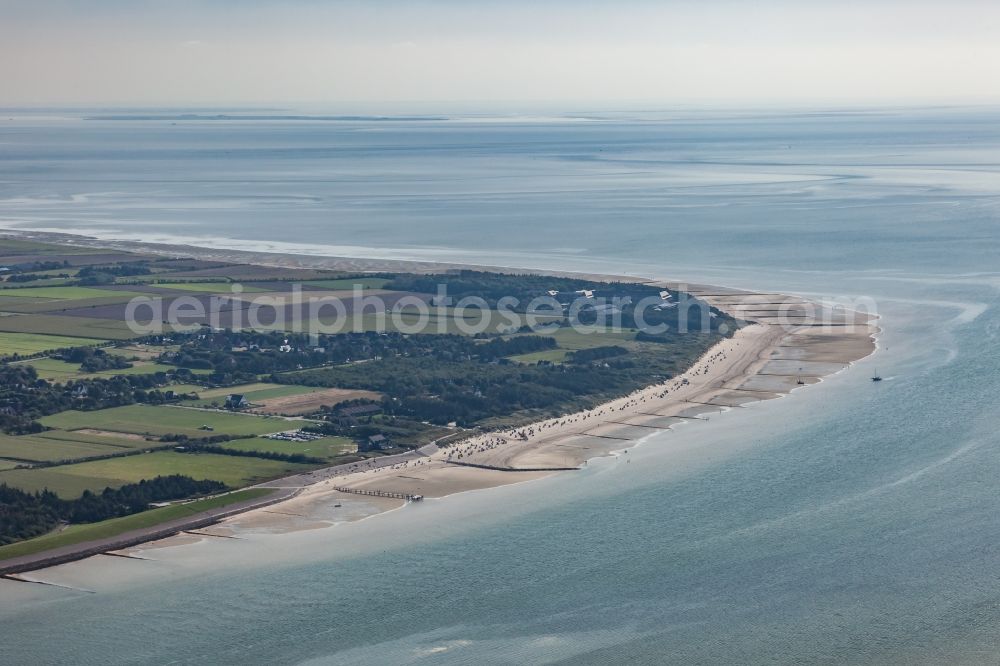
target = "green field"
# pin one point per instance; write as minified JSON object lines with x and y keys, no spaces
{"x":110,"y":528}
{"x":84,"y":327}
{"x":67,"y":293}
{"x":69,"y":481}
{"x":116,"y":440}
{"x":34,"y":343}
{"x":141,"y":352}
{"x":44,"y":449}
{"x":327,"y":448}
{"x":184,"y":388}
{"x":220,"y":287}
{"x":61,"y":371}
{"x":56,"y":306}
{"x":277,"y":391}
{"x":53,"y":272}
{"x":56,"y":445}
{"x":550,"y":355}
{"x":143,"y":368}
{"x":18,"y":304}
{"x":163,"y":420}
{"x":61,"y":480}
{"x":570,"y":340}
{"x":50,"y":368}
{"x":233,"y":471}
{"x":248,"y":389}
{"x":253,"y":392}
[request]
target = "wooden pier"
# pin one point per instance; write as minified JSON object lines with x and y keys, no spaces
{"x":379,"y":493}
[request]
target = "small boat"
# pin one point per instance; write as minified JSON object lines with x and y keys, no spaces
{"x":876,"y":377}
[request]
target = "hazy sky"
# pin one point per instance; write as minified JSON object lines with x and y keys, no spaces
{"x":210,"y":52}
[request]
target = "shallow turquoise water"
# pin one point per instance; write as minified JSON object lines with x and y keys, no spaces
{"x":848,"y":523}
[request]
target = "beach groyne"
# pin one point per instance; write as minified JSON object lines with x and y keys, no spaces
{"x":502,"y":468}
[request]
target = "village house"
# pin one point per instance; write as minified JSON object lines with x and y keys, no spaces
{"x":375,"y":443}
{"x":237,"y":401}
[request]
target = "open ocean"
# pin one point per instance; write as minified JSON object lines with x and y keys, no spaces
{"x":849,"y":523}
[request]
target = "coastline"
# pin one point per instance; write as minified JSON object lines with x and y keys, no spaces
{"x":789,"y":343}
{"x":715,"y":384}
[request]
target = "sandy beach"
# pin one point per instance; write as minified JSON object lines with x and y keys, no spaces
{"x":787,"y":343}
{"x":790,"y":343}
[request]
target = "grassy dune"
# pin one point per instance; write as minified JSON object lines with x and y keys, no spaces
{"x":109,"y":528}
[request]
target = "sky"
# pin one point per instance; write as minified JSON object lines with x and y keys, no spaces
{"x":564,"y":52}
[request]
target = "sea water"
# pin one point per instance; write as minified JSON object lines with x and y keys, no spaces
{"x":850,"y":522}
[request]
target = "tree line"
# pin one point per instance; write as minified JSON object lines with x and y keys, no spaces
{"x":25,"y":515}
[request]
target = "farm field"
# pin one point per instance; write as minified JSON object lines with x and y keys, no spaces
{"x":286,"y":400}
{"x":550,"y":355}
{"x":53,"y":368}
{"x":43,"y":449}
{"x":220,"y":287}
{"x":66,"y":485}
{"x":163,"y":420}
{"x":56,"y":445}
{"x":250,"y":390}
{"x":66,"y":293}
{"x":570,"y":340}
{"x":184,"y":388}
{"x":231,"y":470}
{"x":69,"y":481}
{"x":84,"y":327}
{"x":266,"y":402}
{"x":328,"y":447}
{"x":142,"y":368}
{"x":59,"y":307}
{"x":61,"y":371}
{"x":117,"y":440}
{"x":34,"y":343}
{"x":18,"y":304}
{"x":141,"y":351}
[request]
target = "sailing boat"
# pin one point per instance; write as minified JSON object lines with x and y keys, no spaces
{"x":876,"y":377}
